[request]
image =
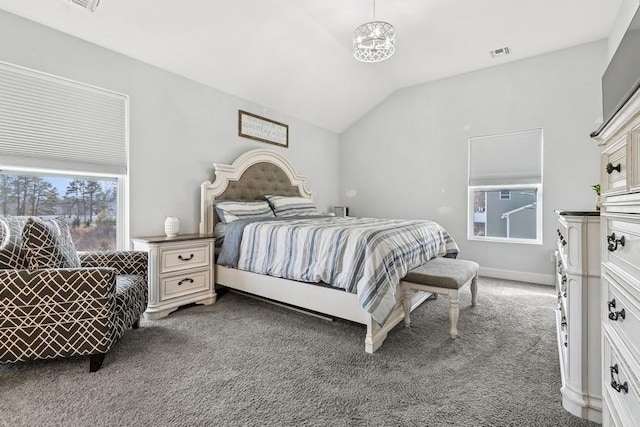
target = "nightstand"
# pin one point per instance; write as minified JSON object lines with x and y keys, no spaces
{"x":181,"y":271}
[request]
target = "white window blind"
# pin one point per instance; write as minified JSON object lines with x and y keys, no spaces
{"x":48,"y":122}
{"x":506,"y":159}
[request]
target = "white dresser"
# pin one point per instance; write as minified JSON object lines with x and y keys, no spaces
{"x":578,"y":314}
{"x":181,"y":271}
{"x":620,"y":246}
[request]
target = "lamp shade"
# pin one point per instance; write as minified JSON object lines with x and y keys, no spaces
{"x":374,"y":41}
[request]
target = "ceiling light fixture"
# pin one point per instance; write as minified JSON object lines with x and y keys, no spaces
{"x":374,"y":41}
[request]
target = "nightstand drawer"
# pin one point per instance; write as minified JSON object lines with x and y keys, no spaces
{"x":185,"y":257}
{"x":175,"y":286}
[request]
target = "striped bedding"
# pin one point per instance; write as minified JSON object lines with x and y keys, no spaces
{"x":367,"y":256}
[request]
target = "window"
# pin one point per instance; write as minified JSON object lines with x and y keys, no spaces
{"x":505,"y":187}
{"x":88,"y":205}
{"x":65,"y":154}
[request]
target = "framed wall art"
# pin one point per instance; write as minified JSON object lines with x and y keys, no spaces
{"x":262,"y":129}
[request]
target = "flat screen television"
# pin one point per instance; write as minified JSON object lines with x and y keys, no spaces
{"x":622,"y":77}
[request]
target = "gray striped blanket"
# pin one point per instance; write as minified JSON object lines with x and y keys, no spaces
{"x":366,"y":256}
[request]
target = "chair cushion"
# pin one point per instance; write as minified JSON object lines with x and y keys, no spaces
{"x":48,"y":244}
{"x":446,"y":273}
{"x":11,"y":254}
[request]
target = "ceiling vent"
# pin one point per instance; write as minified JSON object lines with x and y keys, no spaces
{"x":90,"y":5}
{"x":503,"y":51}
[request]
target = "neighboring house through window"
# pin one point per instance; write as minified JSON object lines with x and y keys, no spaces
{"x":64,"y":153}
{"x":505,"y":187}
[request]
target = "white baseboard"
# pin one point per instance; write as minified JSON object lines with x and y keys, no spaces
{"x":520,"y":276}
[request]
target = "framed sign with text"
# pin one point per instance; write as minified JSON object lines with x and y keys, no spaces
{"x":262,"y":129}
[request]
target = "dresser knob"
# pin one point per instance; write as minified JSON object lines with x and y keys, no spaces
{"x":613,"y":242}
{"x":611,"y":168}
{"x":614,"y":382}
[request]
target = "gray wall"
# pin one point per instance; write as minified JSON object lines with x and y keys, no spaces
{"x":408,"y":156}
{"x":178,"y":128}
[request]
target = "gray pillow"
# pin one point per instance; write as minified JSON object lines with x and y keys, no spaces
{"x":229,"y":211}
{"x":48,"y":244}
{"x":292,"y":206}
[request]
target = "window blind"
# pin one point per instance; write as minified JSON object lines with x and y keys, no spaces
{"x":506,"y":159}
{"x":48,"y":122}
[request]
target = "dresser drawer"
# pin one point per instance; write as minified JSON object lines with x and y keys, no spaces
{"x":622,"y":244}
{"x":634,"y":160}
{"x":620,"y":384}
{"x":614,"y":167}
{"x":175,"y":286}
{"x":184,"y":257}
{"x":621,"y":310}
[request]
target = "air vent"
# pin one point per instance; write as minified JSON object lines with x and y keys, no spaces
{"x":503,"y":51}
{"x":90,"y":5}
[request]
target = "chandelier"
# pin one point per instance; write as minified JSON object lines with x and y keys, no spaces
{"x":374,"y":41}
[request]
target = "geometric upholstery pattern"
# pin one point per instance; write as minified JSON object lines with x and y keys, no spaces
{"x":133,"y":263}
{"x":63,"y":312}
{"x":131,"y":301}
{"x":11,"y":255}
{"x":56,"y":313}
{"x":48,"y":244}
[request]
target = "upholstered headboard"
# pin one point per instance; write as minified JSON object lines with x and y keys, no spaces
{"x":251,"y":176}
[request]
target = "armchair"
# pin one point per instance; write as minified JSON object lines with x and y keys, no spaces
{"x":62,"y":312}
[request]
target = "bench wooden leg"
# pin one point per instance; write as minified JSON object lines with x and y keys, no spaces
{"x":474,"y":290}
{"x":454,"y":313}
{"x":406,"y":304}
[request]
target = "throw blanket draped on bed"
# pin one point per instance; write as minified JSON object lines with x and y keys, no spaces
{"x":366,"y":256}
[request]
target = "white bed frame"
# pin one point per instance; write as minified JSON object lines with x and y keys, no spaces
{"x":321,"y":299}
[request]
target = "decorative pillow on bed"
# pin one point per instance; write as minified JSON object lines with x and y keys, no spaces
{"x":48,"y":244}
{"x":229,"y":211}
{"x":292,"y":206}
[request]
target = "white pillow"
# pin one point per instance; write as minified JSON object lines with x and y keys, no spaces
{"x":292,"y":206}
{"x":229,"y":211}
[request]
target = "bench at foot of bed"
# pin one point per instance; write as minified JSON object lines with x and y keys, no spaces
{"x":445,"y":276}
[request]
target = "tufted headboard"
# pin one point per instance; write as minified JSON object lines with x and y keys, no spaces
{"x":251,"y":176}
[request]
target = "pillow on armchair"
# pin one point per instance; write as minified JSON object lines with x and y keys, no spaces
{"x":48,"y":244}
{"x":11,"y":254}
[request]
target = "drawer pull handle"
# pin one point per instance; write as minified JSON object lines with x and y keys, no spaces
{"x":613,"y":242}
{"x":614,"y":315}
{"x":188,"y":279}
{"x":611,"y":168}
{"x":185,"y":259}
{"x":615,"y":384}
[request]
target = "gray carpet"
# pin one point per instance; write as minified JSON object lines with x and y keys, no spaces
{"x":245,"y":362}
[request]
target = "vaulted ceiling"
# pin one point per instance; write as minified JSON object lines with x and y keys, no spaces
{"x":294,"y":56}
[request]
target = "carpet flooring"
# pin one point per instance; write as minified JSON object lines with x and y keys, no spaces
{"x":245,"y":362}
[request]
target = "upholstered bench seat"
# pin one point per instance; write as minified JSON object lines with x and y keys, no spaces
{"x":445,"y":276}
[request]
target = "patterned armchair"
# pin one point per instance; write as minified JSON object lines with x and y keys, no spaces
{"x":59,"y":310}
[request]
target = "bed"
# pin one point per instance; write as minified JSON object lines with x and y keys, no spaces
{"x":261,"y":172}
